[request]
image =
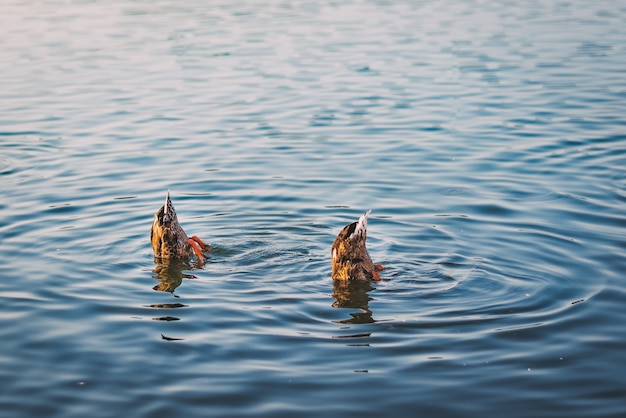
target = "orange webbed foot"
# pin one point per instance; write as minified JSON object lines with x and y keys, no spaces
{"x":378,"y":267}
{"x":197,"y":250}
{"x":375,"y":276}
{"x":203,"y":245}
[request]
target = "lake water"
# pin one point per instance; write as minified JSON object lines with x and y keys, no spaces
{"x":488,"y":138}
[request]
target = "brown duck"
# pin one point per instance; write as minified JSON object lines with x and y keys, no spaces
{"x":169,"y":240}
{"x":350,"y":259}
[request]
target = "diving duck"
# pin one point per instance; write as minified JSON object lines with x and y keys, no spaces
{"x":350,"y":259}
{"x":168,"y":239}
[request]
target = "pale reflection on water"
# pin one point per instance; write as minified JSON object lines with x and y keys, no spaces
{"x":171,"y":274}
{"x":353,"y":294}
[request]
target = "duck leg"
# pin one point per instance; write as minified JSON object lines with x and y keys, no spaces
{"x":196,"y":249}
{"x":375,"y":275}
{"x":203,"y":245}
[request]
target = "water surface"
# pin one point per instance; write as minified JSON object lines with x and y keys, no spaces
{"x":487,"y":138}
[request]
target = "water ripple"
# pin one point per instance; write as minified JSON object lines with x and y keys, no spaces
{"x":490,"y":154}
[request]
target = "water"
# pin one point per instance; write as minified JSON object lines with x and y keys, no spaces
{"x":486,"y":137}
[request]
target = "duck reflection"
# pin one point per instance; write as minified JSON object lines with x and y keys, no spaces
{"x":170,"y":275}
{"x":353,"y":294}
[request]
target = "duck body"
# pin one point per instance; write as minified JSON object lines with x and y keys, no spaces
{"x":169,"y":240}
{"x":349,"y":257}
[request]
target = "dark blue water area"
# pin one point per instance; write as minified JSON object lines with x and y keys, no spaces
{"x":487,"y":139}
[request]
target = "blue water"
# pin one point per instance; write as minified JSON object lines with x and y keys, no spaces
{"x":488,"y":138}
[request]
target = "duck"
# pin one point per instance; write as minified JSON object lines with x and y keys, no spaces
{"x":349,"y":257}
{"x":169,"y":240}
